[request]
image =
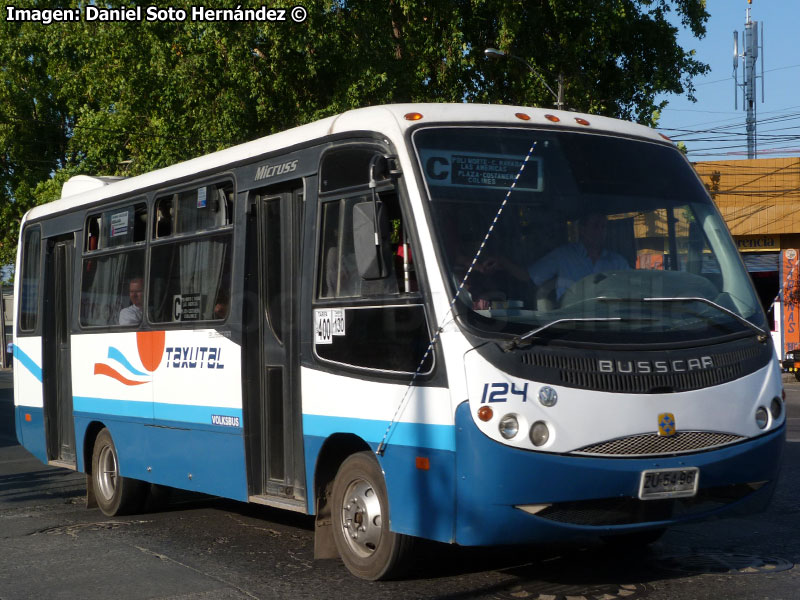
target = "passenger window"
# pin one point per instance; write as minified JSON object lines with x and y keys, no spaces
{"x":112,"y":289}
{"x":29,"y":286}
{"x":195,"y":210}
{"x":116,"y":227}
{"x":112,"y":277}
{"x":190,"y":280}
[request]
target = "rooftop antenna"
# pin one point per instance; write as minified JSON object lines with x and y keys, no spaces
{"x":750,"y":52}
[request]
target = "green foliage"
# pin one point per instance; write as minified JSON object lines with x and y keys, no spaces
{"x":125,"y":98}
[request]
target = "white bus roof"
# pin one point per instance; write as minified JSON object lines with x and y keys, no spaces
{"x":388,"y":120}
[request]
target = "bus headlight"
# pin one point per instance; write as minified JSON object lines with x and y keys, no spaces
{"x":540,"y":433}
{"x":762,"y":417}
{"x":776,"y":408}
{"x":509,"y":426}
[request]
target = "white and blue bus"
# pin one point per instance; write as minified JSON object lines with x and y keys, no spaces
{"x":473,"y":324}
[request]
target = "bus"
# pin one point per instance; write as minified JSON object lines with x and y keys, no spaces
{"x":473,"y":324}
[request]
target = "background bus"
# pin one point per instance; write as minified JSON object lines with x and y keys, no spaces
{"x":352,"y":319}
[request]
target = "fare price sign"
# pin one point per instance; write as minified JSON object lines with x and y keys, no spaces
{"x":327,"y":324}
{"x":478,"y":170}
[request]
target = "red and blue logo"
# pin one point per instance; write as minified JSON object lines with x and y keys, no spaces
{"x":150,"y":347}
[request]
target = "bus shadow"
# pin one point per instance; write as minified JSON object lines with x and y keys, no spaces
{"x":45,"y":484}
{"x":180,"y":500}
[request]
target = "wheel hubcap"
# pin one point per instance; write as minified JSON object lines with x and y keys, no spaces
{"x":362,"y":523}
{"x":108,"y":472}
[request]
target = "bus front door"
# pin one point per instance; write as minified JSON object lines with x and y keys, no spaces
{"x":273,"y":423}
{"x":56,"y":361}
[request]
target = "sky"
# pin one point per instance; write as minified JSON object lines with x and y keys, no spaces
{"x":712,"y":128}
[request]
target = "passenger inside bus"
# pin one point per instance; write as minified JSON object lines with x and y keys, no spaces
{"x":222,"y":305}
{"x":132,"y":315}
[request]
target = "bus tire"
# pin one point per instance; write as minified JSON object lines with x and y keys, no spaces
{"x":360,"y":511}
{"x":115,"y":495}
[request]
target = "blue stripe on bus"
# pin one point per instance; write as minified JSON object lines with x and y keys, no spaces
{"x":27,"y":362}
{"x":115,"y":354}
{"x":423,"y":435}
{"x":159,"y":411}
{"x":109,"y":406}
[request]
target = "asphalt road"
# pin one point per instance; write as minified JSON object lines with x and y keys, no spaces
{"x":198,"y":547}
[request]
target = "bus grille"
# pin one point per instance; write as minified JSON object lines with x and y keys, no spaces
{"x":652,"y":444}
{"x":583,"y":372}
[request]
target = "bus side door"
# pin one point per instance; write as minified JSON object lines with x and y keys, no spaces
{"x":272,"y":374}
{"x":56,"y":360}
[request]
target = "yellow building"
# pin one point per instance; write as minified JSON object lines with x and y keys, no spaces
{"x":760,"y":201}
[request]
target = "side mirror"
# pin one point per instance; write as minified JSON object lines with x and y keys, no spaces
{"x":370,"y":235}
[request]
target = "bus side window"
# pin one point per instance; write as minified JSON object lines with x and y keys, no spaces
{"x":339,"y":278}
{"x":29,"y":288}
{"x":379,"y":335}
{"x":106,"y":288}
{"x":190,"y":258}
{"x":113,"y":266}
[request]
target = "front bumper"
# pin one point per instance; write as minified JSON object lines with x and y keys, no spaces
{"x":596,"y":496}
{"x":791,"y":366}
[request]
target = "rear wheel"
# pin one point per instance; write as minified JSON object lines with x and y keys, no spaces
{"x":115,"y":495}
{"x":361,"y":521}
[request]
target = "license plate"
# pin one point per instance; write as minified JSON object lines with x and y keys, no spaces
{"x":669,"y":483}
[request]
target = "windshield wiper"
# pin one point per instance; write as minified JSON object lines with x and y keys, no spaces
{"x":524,"y":339}
{"x":763,"y":334}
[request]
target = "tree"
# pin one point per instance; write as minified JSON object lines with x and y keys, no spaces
{"x":125,"y":98}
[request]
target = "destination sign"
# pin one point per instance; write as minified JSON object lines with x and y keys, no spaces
{"x":471,"y":169}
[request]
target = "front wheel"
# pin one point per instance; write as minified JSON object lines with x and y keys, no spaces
{"x":361,"y":521}
{"x":115,"y":495}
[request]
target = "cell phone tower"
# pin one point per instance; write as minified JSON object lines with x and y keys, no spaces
{"x":750,"y":52}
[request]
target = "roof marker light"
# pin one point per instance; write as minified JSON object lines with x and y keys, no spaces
{"x":665,"y":137}
{"x":412,"y":116}
{"x":580,"y":121}
{"x":522,"y":116}
{"x":552,"y":118}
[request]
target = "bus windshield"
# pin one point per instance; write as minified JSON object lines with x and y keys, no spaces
{"x":601,"y":238}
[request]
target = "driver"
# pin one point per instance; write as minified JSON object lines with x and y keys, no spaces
{"x":572,"y":262}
